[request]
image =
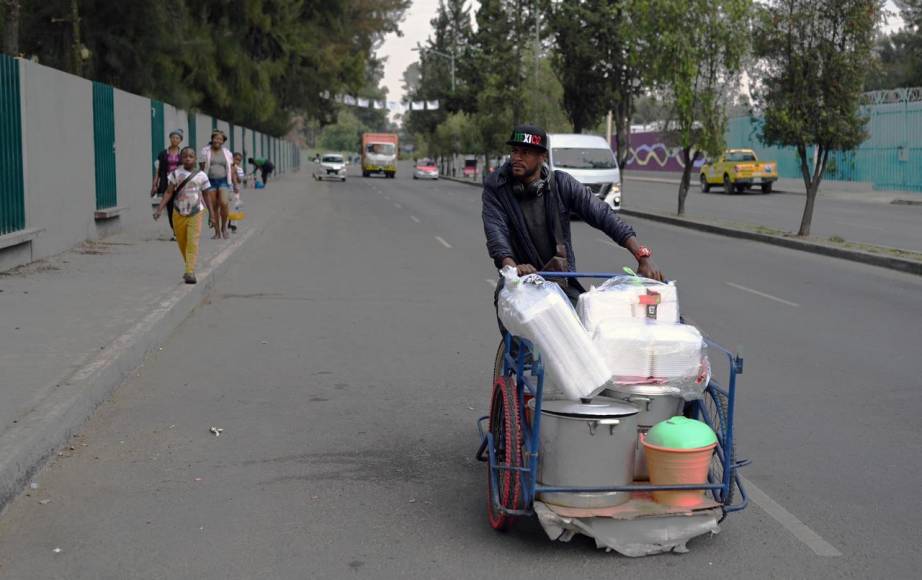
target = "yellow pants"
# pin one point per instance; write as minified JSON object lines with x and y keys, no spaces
{"x":188,"y":230}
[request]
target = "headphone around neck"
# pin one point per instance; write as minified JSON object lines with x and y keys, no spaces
{"x":534,"y":189}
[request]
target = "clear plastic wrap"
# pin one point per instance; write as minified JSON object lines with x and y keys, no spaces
{"x":540,"y":312}
{"x":629,"y":297}
{"x":670,"y":355}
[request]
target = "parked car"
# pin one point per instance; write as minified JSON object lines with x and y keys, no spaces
{"x":590,"y":160}
{"x":331,"y":166}
{"x":426,"y":169}
{"x":737,"y":170}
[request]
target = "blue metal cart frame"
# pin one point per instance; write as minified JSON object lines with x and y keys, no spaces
{"x":716,"y":409}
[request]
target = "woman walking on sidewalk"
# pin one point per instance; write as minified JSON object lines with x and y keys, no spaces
{"x":167,"y":161}
{"x":188,"y":188}
{"x":218,"y":164}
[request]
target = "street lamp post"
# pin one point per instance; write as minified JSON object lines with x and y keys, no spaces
{"x":449,"y":55}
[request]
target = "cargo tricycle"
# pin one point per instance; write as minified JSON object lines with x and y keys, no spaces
{"x":636,"y":524}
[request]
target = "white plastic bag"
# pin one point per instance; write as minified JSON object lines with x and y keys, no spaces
{"x":539,"y":311}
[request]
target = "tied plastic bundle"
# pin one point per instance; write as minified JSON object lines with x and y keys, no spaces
{"x":670,"y":355}
{"x":236,"y":214}
{"x":629,"y":297}
{"x":539,"y":311}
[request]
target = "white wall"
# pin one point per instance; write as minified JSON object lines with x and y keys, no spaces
{"x":203,"y":130}
{"x":238,"y":139}
{"x":174,"y":118}
{"x":132,"y":157}
{"x":59,"y":170}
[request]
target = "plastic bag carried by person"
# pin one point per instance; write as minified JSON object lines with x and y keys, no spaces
{"x":236,"y":213}
{"x":629,"y":297}
{"x":539,"y":311}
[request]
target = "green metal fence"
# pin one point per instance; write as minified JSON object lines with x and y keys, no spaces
{"x":12,"y":191}
{"x":890,"y":159}
{"x":156,"y":130}
{"x":104,"y":145}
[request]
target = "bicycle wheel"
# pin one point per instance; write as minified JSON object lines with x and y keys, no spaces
{"x":505,"y":428}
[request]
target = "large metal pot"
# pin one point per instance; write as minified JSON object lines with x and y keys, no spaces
{"x":656,"y":404}
{"x":586,"y":445}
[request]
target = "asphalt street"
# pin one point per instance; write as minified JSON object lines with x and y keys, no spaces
{"x":347,"y":355}
{"x":871,"y":222}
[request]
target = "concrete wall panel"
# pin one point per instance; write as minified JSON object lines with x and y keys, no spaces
{"x":175,"y":119}
{"x":203,"y":130}
{"x":59,"y":170}
{"x":132,"y":157}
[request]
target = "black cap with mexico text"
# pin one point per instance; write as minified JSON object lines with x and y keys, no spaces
{"x":530,"y":136}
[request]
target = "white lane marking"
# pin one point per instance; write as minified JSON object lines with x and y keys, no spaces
{"x":762,"y":294}
{"x":492,"y":283}
{"x":609,"y":242}
{"x":443,"y":242}
{"x":397,"y":205}
{"x":790,"y":522}
{"x":387,"y":197}
{"x":415,"y":219}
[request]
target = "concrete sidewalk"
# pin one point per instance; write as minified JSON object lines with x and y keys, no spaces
{"x":844,"y":190}
{"x":75,"y":325}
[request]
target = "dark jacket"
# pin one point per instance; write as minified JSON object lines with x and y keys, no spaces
{"x":162,"y":172}
{"x":504,"y":224}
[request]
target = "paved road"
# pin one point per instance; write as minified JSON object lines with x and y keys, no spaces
{"x":873,"y":222}
{"x":347,"y":355}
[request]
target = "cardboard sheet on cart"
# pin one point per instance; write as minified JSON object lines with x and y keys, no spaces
{"x":641,"y":505}
{"x":633,"y":531}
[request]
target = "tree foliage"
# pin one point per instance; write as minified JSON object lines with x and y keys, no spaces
{"x":252,"y":62}
{"x":580,"y":33}
{"x":815,"y":55}
{"x":699,"y":52}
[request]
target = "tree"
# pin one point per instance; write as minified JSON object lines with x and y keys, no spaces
{"x":815,"y":55}
{"x":256,"y":63}
{"x":345,"y":135}
{"x":579,"y":36}
{"x":11,"y":16}
{"x":696,"y":67}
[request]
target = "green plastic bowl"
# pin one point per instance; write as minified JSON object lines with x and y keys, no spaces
{"x":681,"y":433}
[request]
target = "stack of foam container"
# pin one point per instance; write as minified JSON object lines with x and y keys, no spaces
{"x":634,"y":323}
{"x":540,"y":312}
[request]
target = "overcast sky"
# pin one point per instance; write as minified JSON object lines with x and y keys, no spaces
{"x":416,"y":29}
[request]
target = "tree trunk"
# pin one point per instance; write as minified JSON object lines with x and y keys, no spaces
{"x":686,"y":178}
{"x":623,"y":135}
{"x":11,"y":31}
{"x":812,"y":183}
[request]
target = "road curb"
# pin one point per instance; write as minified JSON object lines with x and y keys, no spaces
{"x":28,"y":444}
{"x":889,"y":262}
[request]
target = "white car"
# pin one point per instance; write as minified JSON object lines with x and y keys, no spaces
{"x":590,"y":160}
{"x":331,"y":166}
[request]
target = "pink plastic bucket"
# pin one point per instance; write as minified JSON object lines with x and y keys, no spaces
{"x":678,"y":466}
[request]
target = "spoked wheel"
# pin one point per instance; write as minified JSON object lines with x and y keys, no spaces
{"x":505,"y":427}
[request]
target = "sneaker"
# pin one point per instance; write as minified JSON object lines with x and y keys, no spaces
{"x":189,"y":278}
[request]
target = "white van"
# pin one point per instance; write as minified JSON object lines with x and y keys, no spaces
{"x":590,"y":160}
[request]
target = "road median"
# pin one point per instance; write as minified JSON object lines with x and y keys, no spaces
{"x":883,"y":257}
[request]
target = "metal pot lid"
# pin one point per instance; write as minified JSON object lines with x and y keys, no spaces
{"x":598,"y":408}
{"x":645,"y":390}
